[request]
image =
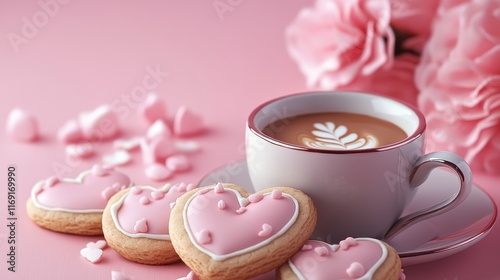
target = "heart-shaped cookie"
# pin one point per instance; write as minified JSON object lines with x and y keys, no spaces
{"x":75,"y":205}
{"x":221,"y":231}
{"x":135,"y":223}
{"x":359,"y":258}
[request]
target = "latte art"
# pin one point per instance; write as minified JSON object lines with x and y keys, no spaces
{"x":335,"y":131}
{"x":331,"y":137}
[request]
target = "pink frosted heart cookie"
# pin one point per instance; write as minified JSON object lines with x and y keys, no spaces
{"x":352,"y":258}
{"x":75,"y":205}
{"x":223,"y":232}
{"x":135,"y":223}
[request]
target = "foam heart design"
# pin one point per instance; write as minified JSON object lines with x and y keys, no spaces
{"x":152,"y":109}
{"x":186,"y":123}
{"x":99,"y":124}
{"x":137,"y":219}
{"x":351,"y":259}
{"x":22,"y":126}
{"x":83,"y":194}
{"x":93,"y":255}
{"x":224,"y":232}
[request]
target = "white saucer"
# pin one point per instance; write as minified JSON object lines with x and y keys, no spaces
{"x":429,"y":240}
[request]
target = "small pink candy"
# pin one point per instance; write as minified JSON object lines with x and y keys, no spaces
{"x":157,"y":172}
{"x":135,"y":190}
{"x":100,"y":124}
{"x":116,"y":275}
{"x":187,"y":146}
{"x":144,"y":200}
{"x":152,"y":108}
{"x":157,"y":195}
{"x":51,"y":181}
{"x":70,"y":132}
{"x":187,"y":123}
{"x":266,"y":230}
{"x":119,"y":157}
{"x":322,"y":251}
{"x":221,"y":204}
{"x":83,"y":150}
{"x":159,"y":129}
{"x":241,"y":210}
{"x":99,"y":244}
{"x":22,"y":126}
{"x":306,"y":247}
{"x":345,"y":244}
{"x":276,"y":194}
{"x":203,"y":237}
{"x":355,"y":270}
{"x":141,"y":226}
{"x":93,"y":255}
{"x":219,"y":188}
{"x":182,"y":187}
{"x":156,"y":149}
{"x":256,"y":197}
{"x":178,"y":163}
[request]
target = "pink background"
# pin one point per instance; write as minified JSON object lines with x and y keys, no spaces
{"x":87,"y":53}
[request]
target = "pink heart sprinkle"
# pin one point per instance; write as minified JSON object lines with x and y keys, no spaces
{"x":70,"y":132}
{"x":159,"y":129}
{"x":306,"y":247}
{"x":152,"y":108}
{"x":141,"y":225}
{"x":322,"y":251}
{"x":256,"y":197}
{"x":22,"y":126}
{"x":157,"y":172}
{"x":178,"y":163}
{"x":135,"y":190}
{"x":276,"y":194}
{"x":99,"y":244}
{"x":203,"y":237}
{"x":221,"y":204}
{"x":108,"y":192}
{"x":93,"y":255}
{"x":355,"y":270}
{"x":349,"y":241}
{"x":241,"y":210}
{"x":144,"y":200}
{"x":116,"y":275}
{"x":157,"y":195}
{"x":266,"y":230}
{"x":219,"y":188}
{"x":187,"y":123}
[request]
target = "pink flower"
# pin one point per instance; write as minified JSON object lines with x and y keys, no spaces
{"x":335,"y":41}
{"x":459,"y":79}
{"x":396,"y":82}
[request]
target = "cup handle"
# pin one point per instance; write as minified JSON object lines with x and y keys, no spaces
{"x":420,"y":173}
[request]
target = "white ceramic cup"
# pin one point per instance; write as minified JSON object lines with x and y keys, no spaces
{"x":358,"y":193}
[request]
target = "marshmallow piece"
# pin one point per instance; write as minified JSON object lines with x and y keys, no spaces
{"x":119,"y":157}
{"x":187,"y":123}
{"x":99,"y":124}
{"x":157,"y":172}
{"x":83,"y":150}
{"x":152,"y":109}
{"x":158,"y":129}
{"x":70,"y":132}
{"x":22,"y":126}
{"x":178,"y":163}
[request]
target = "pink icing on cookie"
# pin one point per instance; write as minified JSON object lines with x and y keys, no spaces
{"x":86,"y":193}
{"x":257,"y":225}
{"x":132,"y":207}
{"x":359,"y":260}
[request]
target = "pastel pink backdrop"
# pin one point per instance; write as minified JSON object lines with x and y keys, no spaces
{"x":220,"y":65}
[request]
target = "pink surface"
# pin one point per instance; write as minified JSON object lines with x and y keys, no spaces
{"x":89,"y":53}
